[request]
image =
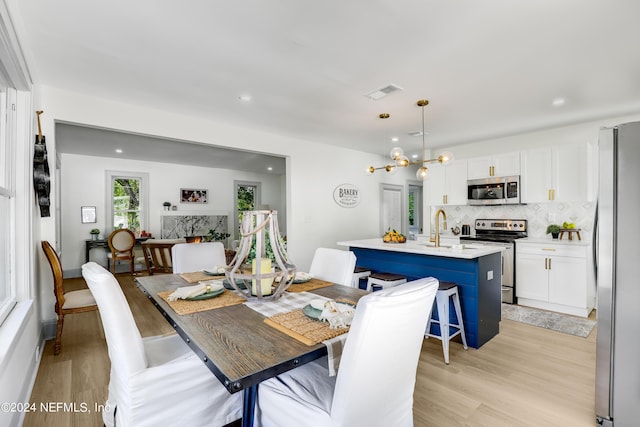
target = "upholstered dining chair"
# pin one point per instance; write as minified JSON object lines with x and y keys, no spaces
{"x":71,"y":302}
{"x":154,"y":381}
{"x":157,"y":255}
{"x":190,"y":257}
{"x":376,"y":379}
{"x":121,"y":243}
{"x":333,"y":265}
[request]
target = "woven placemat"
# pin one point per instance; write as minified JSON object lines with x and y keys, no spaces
{"x":199,"y":276}
{"x":308,"y":286}
{"x":303,"y":328}
{"x":181,"y":306}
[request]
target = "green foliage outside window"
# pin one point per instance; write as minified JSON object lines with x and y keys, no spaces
{"x":411,"y":208}
{"x":246,"y":200}
{"x":268,"y":251}
{"x":126,"y":204}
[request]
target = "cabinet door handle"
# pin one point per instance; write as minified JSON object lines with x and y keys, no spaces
{"x":548,"y":194}
{"x":491,"y":171}
{"x":549,"y":249}
{"x":553,"y":194}
{"x":549,"y":263}
{"x":546,"y":263}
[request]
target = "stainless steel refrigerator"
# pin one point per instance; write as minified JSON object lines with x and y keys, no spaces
{"x":618,"y":264}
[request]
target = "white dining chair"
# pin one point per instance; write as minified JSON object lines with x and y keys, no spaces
{"x":190,"y":257}
{"x":376,"y":379}
{"x":154,"y":381}
{"x":333,"y":265}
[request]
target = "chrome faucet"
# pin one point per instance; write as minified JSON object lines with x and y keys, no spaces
{"x":444,"y":224}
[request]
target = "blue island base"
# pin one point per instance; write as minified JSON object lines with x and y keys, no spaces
{"x":478,"y":280}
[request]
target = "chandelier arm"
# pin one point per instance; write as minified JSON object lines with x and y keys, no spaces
{"x":402,"y":161}
{"x":420,"y":162}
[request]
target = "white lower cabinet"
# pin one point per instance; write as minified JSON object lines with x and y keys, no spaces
{"x":556,"y":277}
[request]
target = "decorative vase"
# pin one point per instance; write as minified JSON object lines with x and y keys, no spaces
{"x":265,"y":278}
{"x":94,"y":237}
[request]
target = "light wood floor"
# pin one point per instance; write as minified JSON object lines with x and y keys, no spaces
{"x":525,"y":376}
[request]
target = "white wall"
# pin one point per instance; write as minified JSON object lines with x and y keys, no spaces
{"x":313,"y":170}
{"x":83,"y":183}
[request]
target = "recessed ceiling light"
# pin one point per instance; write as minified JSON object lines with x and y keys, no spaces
{"x":414,"y":156}
{"x":245,"y":98}
{"x":558,"y":102}
{"x":269,"y":168}
{"x":394,"y":139}
{"x":119,"y":150}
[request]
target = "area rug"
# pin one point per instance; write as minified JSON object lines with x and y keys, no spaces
{"x":549,"y":320}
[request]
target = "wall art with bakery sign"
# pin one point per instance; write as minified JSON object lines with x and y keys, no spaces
{"x":347,"y":195}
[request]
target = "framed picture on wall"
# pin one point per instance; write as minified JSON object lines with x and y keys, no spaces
{"x":190,"y":195}
{"x":88,"y":214}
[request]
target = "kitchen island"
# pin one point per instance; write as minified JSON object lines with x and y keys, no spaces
{"x":476,"y":269}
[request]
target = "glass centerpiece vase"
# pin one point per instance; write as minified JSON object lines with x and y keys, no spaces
{"x":266,"y":277}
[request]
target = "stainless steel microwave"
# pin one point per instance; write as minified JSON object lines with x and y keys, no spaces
{"x":503,"y":190}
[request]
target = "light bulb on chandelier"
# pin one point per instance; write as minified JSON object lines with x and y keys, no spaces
{"x":402,"y":161}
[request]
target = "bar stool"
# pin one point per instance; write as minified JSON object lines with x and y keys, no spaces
{"x":447,"y":290}
{"x":386,"y":280}
{"x":359,"y":273}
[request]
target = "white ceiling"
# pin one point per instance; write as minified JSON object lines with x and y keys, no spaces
{"x":490,"y":68}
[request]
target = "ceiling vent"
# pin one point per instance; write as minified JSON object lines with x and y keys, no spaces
{"x":382,"y":92}
{"x":417,"y":133}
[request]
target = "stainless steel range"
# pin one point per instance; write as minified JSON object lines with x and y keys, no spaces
{"x":504,"y":233}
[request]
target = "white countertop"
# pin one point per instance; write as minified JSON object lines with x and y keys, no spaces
{"x":470,"y":251}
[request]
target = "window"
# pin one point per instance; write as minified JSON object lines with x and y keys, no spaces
{"x":7,"y":218}
{"x":415,"y":209}
{"x":247,"y":195}
{"x":127,"y":201}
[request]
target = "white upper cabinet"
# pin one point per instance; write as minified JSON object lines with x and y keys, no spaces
{"x":559,"y":173}
{"x":499,"y":165}
{"x":447,"y":185}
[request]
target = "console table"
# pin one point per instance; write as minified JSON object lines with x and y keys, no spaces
{"x":103,"y":243}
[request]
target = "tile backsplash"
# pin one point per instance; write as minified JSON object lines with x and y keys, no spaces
{"x":539,"y":216}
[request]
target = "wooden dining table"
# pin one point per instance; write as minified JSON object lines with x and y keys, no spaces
{"x":235,"y":343}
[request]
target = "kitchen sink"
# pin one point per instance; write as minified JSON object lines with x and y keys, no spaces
{"x":433,"y":245}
